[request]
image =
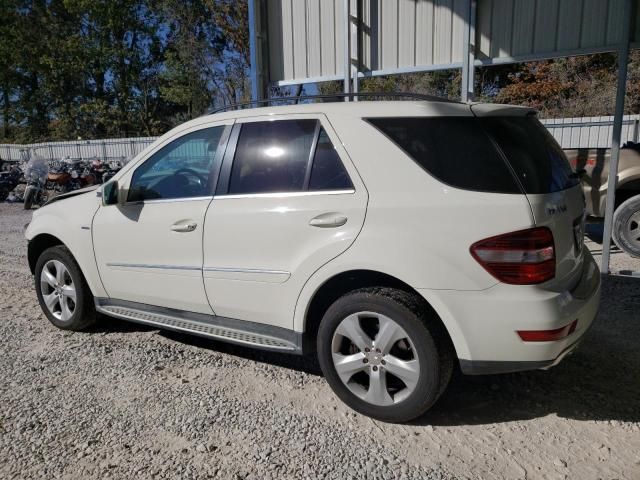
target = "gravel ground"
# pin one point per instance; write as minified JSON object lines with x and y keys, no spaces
{"x":123,"y":401}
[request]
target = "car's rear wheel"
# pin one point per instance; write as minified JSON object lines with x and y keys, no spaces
{"x":63,"y":293}
{"x":384,"y":354}
{"x":626,"y":226}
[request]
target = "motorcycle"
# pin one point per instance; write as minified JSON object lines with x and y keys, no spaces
{"x":59,"y":175}
{"x":82,"y":174}
{"x":110,"y":169}
{"x":9,"y":180}
{"x":36,"y":174}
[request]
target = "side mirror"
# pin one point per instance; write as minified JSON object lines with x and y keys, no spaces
{"x":110,"y":193}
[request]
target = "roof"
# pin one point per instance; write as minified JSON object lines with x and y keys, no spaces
{"x":368,"y":108}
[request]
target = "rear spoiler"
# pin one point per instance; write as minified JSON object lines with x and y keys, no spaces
{"x":497,"y":110}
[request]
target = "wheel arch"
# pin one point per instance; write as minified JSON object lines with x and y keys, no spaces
{"x":627,"y":190}
{"x":337,"y":285}
{"x":42,"y":240}
{"x":39,"y":244}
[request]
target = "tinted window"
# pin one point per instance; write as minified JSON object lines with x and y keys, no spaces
{"x":180,"y":169}
{"x":455,"y":150}
{"x":272,"y":156}
{"x":328,"y":172}
{"x":539,"y":162}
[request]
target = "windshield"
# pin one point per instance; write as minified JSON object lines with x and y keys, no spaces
{"x":37,"y":169}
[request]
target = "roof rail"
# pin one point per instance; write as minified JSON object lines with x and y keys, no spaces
{"x":332,"y":97}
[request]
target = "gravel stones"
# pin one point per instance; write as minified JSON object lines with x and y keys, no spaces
{"x":124,"y":401}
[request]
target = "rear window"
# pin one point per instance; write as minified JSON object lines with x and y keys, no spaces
{"x":536,"y":158}
{"x":471,"y":153}
{"x":455,"y":150}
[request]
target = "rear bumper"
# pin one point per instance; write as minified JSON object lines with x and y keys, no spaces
{"x":488,"y":367}
{"x":487,"y":322}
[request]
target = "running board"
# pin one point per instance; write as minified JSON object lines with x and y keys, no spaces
{"x":240,"y":332}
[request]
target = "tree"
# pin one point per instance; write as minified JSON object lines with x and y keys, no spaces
{"x":105,"y":68}
{"x":572,"y":87}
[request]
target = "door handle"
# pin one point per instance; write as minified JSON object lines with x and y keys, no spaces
{"x":328,"y":220}
{"x":184,"y":226}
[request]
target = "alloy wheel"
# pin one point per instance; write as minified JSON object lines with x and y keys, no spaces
{"x":58,"y":290}
{"x":375,"y":358}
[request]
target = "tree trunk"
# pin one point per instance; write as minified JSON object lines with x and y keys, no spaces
{"x":5,"y":113}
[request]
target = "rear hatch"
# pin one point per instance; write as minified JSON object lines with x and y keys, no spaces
{"x":504,"y":151}
{"x":545,"y":176}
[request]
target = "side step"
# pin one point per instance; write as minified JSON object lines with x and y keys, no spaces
{"x":240,"y":332}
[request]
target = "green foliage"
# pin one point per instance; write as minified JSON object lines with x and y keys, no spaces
{"x":105,"y":68}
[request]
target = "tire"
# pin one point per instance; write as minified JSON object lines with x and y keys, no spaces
{"x":29,"y":194}
{"x":63,"y":270}
{"x":419,"y":337}
{"x":626,"y":226}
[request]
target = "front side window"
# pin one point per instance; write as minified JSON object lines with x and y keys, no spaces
{"x":272,"y":156}
{"x":182,"y":169}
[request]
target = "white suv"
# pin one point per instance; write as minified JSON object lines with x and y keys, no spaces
{"x":393,"y":238}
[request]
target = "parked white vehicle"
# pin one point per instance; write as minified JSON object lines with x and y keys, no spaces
{"x":392,"y":238}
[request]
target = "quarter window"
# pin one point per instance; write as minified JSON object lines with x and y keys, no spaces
{"x":182,"y":169}
{"x":455,"y":150}
{"x":272,"y":156}
{"x":328,"y":172}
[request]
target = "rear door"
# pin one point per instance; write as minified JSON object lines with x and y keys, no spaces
{"x":288,"y":201}
{"x":552,"y":188}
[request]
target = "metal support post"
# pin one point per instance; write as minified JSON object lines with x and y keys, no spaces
{"x":468,"y":54}
{"x":623,"y":62}
{"x":347,"y":48}
{"x":256,"y":50}
{"x":354,"y":31}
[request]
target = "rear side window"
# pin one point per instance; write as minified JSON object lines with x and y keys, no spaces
{"x":536,"y":158}
{"x":272,"y":156}
{"x":455,"y":150}
{"x":328,"y":172}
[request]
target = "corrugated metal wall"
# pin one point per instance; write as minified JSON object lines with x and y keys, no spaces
{"x":515,"y":28}
{"x":306,"y":37}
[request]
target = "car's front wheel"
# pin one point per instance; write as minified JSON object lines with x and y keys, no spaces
{"x":384,"y":354}
{"x":63,"y":293}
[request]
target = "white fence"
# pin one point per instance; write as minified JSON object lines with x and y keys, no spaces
{"x":115,"y":148}
{"x":591,"y":132}
{"x":584,"y":132}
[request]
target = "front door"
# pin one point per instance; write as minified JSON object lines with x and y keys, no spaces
{"x":288,"y":201}
{"x":150,"y":249}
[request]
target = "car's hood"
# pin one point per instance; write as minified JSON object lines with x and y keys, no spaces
{"x":72,"y":194}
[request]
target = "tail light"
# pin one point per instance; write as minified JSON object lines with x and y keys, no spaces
{"x":526,"y":257}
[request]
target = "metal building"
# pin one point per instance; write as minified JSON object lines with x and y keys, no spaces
{"x":300,"y":41}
